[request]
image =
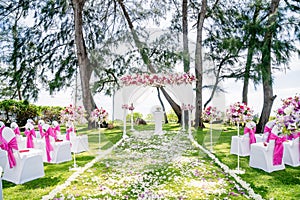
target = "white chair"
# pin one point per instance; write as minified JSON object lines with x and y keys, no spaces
{"x":291,"y":152}
{"x":20,"y":139}
{"x":261,"y":157}
{"x":29,"y":163}
{"x":79,"y":143}
{"x":3,"y":159}
{"x":240,"y":145}
{"x":56,"y":128}
{"x":268,"y":130}
{"x":30,"y":135}
{"x":59,"y":150}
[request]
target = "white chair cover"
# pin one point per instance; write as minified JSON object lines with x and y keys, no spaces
{"x":261,"y":157}
{"x":29,"y":163}
{"x":3,"y":159}
{"x":242,"y":143}
{"x":61,"y":149}
{"x":79,"y":143}
{"x":291,"y":152}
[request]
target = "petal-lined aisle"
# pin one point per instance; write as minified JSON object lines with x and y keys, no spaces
{"x":147,"y":166}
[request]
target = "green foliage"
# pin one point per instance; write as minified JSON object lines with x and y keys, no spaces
{"x":135,"y":116}
{"x":172,"y":117}
{"x":51,"y":113}
{"x":20,"y":111}
{"x":149,"y":117}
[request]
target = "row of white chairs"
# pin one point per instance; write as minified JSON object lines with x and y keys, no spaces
{"x":26,"y":158}
{"x":262,"y":151}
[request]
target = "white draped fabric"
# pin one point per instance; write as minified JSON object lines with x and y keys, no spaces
{"x":137,"y":94}
{"x":181,"y":94}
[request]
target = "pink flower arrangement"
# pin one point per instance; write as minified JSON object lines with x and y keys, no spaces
{"x":210,"y":113}
{"x":72,"y":113}
{"x":239,"y":112}
{"x":98,"y":115}
{"x":131,"y":107}
{"x":184,"y":107}
{"x":125,"y":106}
{"x":288,"y":116}
{"x":190,"y":107}
{"x":157,"y":79}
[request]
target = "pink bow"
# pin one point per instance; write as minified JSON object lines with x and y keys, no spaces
{"x":49,"y":147}
{"x":17,"y":131}
{"x":40,"y":127}
{"x":69,"y":130}
{"x":269,"y":131}
{"x":12,"y":144}
{"x":1,"y":129}
{"x":56,"y":129}
{"x":251,"y":134}
{"x":278,"y":149}
{"x":29,"y":134}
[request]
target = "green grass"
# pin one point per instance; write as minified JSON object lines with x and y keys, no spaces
{"x":283,"y":184}
{"x":56,"y":174}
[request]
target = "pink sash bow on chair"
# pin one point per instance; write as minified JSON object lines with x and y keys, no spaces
{"x":9,"y":146}
{"x":56,"y":129}
{"x":49,"y":147}
{"x":69,"y":130}
{"x":17,"y":131}
{"x":29,"y":134}
{"x":40,"y":127}
{"x":278,"y":149}
{"x":251,"y":134}
{"x":269,"y":131}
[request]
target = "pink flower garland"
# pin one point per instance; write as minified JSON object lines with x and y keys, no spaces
{"x":157,"y":79}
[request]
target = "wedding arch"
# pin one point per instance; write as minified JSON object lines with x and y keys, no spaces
{"x":134,"y":86}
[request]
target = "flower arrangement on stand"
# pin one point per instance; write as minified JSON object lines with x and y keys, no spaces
{"x":236,"y":114}
{"x":72,"y":115}
{"x":288,"y":117}
{"x":183,"y":108}
{"x":131,"y":108}
{"x":209,"y":114}
{"x":124,"y":107}
{"x":190,"y":108}
{"x":239,"y":113}
{"x":99,"y":116}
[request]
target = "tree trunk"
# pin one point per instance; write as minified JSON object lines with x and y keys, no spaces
{"x":186,"y":53}
{"x":252,"y":45}
{"x":266,"y":67}
{"x":85,"y":68}
{"x":199,"y":65}
{"x":214,"y":87}
{"x":142,"y":50}
{"x":162,"y":105}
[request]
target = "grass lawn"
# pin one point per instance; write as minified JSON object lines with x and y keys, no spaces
{"x":284,"y":184}
{"x":56,"y":174}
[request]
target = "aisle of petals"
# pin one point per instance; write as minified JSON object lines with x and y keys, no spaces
{"x":148,"y":166}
